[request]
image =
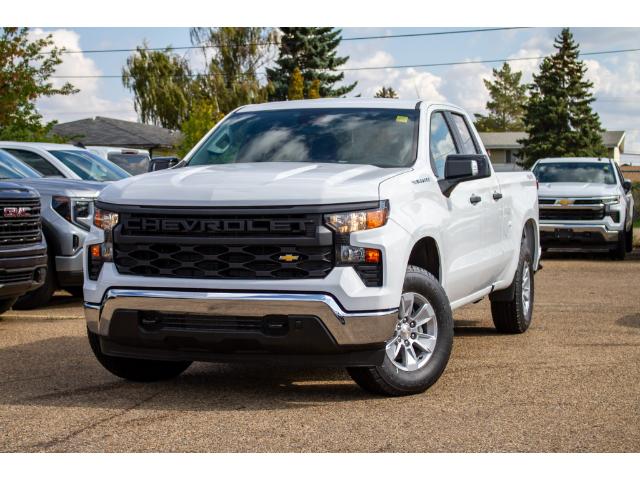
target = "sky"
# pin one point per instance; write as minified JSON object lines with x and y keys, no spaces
{"x":616,"y":77}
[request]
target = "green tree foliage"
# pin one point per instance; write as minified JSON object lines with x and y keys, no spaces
{"x":161,"y":83}
{"x":296,"y":86}
{"x":314,"y":51}
{"x":202,"y":118}
{"x":386,"y":92}
{"x":26,"y":67}
{"x":506,"y":106}
{"x":559,"y":118}
{"x":234,"y":56}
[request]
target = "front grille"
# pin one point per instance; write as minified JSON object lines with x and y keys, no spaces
{"x":571,"y":214}
{"x":227,"y":245}
{"x":20,"y":228}
{"x":16,"y":277}
{"x":223,"y":261}
{"x":270,"y":324}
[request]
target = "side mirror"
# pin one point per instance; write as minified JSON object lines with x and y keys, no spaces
{"x":460,"y":168}
{"x":626,"y":185}
{"x":162,"y":163}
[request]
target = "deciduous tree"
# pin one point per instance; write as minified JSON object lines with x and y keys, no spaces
{"x":386,"y":92}
{"x":26,"y":68}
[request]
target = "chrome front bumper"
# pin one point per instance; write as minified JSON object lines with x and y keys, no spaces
{"x":347,"y":329}
{"x":602,"y":230}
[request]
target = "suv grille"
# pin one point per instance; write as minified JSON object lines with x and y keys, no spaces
{"x":16,"y":277}
{"x":20,"y":222}
{"x":228,"y":246}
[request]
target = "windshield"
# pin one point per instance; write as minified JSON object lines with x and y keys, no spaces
{"x":89,"y":166}
{"x":575,"y":172}
{"x":134,"y":163}
{"x":12,"y":168}
{"x":381,"y":137}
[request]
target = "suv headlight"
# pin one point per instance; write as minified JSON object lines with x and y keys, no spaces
{"x":349,"y":222}
{"x":78,"y":211}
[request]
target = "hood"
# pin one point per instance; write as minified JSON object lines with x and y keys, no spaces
{"x":252,"y":184}
{"x":63,"y":186}
{"x":577,"y":190}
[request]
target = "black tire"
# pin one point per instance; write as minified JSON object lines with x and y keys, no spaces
{"x":629,"y":240}
{"x":75,"y":291}
{"x":620,"y":250}
{"x":134,"y":369}
{"x":41,"y":296}
{"x":6,"y":304}
{"x":391,"y":381}
{"x":511,"y":316}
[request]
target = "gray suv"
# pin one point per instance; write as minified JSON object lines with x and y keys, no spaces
{"x":67,"y":212}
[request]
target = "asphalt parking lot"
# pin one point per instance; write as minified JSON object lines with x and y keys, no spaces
{"x":571,"y":383}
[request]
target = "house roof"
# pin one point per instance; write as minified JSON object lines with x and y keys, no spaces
{"x":509,"y":140}
{"x":112,"y":132}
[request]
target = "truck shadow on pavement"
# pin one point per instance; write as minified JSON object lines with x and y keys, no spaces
{"x":62,"y":372}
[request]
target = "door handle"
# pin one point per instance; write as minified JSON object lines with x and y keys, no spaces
{"x":497,"y":195}
{"x":475,"y":199}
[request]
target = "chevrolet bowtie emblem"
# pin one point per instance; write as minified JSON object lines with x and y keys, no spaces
{"x":565,"y":201}
{"x":289,"y":258}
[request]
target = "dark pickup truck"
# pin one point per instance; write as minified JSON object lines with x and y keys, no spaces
{"x":23,"y":250}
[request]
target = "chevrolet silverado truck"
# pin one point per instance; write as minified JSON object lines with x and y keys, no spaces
{"x":66,"y":216}
{"x":23,"y":250}
{"x":585,"y":205}
{"x":336,"y":232}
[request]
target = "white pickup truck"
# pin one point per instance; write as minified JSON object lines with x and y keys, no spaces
{"x":585,"y":205}
{"x":335,"y":232}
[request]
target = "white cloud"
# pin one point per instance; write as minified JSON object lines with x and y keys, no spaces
{"x":409,"y":83}
{"x":90,"y":101}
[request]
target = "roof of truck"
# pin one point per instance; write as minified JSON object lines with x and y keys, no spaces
{"x":44,"y":146}
{"x":341,"y":103}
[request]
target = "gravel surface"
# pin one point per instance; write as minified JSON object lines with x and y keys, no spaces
{"x":571,"y":383}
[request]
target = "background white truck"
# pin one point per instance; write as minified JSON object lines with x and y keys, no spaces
{"x":335,"y":232}
{"x":585,"y":205}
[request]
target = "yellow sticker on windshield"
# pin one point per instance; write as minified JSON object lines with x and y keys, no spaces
{"x":402,"y":119}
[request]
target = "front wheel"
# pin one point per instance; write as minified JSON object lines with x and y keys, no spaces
{"x":6,"y":304}
{"x":419,"y":349}
{"x":134,"y":369}
{"x":620,"y":250}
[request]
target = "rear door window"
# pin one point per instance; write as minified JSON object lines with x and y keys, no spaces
{"x":35,"y":161}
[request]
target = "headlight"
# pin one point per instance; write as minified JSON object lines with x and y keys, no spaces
{"x":105,"y":220}
{"x":349,"y":222}
{"x":610,"y":200}
{"x":74,"y":210}
{"x":102,"y":252}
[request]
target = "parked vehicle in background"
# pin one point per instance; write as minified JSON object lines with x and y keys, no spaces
{"x":585,"y":205}
{"x":339,"y":231}
{"x":132,"y":160}
{"x":23,"y":250}
{"x":67,"y":208}
{"x":66,"y":161}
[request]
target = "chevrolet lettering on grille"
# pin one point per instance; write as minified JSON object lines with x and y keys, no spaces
{"x":169,"y":225}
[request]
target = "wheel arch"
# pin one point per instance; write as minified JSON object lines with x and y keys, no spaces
{"x":425,"y":254}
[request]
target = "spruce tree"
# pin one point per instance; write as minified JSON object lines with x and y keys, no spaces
{"x":507,"y":103}
{"x":313,"y":51}
{"x":558,"y":117}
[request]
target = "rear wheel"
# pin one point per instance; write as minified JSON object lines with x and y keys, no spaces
{"x":514,"y":315}
{"x":134,"y":369}
{"x":419,"y":349}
